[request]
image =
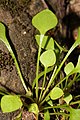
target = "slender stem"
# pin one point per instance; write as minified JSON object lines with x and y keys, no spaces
{"x":61,"y":48}
{"x":37,"y":68}
{"x":36,"y":117}
{"x":60,"y":113}
{"x":65,"y":79}
{"x":58,"y":106}
{"x":57,"y":71}
{"x":28,"y":97}
{"x":43,"y":83}
{"x":72,"y":81}
{"x":73,"y":103}
{"x":41,"y":74}
{"x":66,"y":82}
{"x":61,"y":81}
{"x":16,"y":64}
{"x":20,"y":75}
{"x":48,"y":84}
{"x":2,"y":93}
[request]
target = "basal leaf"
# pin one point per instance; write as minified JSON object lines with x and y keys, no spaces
{"x":47,"y":43}
{"x":56,"y":93}
{"x":46,"y":115}
{"x":74,"y":114}
{"x":3,"y":36}
{"x":68,"y":68}
{"x":48,"y":58}
{"x":10,"y":103}
{"x":33,"y":108}
{"x":2,"y":32}
{"x":44,"y":21}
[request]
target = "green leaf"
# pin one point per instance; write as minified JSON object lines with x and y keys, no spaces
{"x":46,"y":115}
{"x":47,"y":43}
{"x":4,"y":39}
{"x":44,"y":21}
{"x":78,"y":63}
{"x":77,"y":68}
{"x":3,"y":36}
{"x":2,"y":32}
{"x":10,"y":103}
{"x":74,"y":114}
{"x":68,"y":68}
{"x":67,"y":98}
{"x":33,"y":108}
{"x":56,"y":93}
{"x":48,"y":58}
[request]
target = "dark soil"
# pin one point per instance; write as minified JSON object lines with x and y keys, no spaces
{"x":16,"y":16}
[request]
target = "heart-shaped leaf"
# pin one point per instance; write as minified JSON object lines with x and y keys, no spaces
{"x":44,"y":21}
{"x":56,"y":93}
{"x":48,"y":58}
{"x":74,"y":114}
{"x":68,"y":68}
{"x":33,"y":108}
{"x":10,"y":103}
{"x":47,"y":43}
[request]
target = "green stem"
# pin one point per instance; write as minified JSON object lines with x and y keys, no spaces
{"x":61,"y":81}
{"x":16,"y":64}
{"x":2,"y":93}
{"x":73,"y":103}
{"x":36,"y":117}
{"x":72,"y":81}
{"x":66,"y":82}
{"x":57,"y":71}
{"x":58,"y":106}
{"x":48,"y":84}
{"x":65,"y":79}
{"x":37,"y":68}
{"x":43,"y":83}
{"x":29,"y":97}
{"x":20,"y":75}
{"x":41,"y":74}
{"x":60,"y":113}
{"x":61,"y":48}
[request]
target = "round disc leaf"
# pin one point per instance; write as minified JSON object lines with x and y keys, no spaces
{"x":10,"y":103}
{"x":68,"y":68}
{"x":56,"y":93}
{"x":44,"y":21}
{"x":47,"y":43}
{"x":48,"y":58}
